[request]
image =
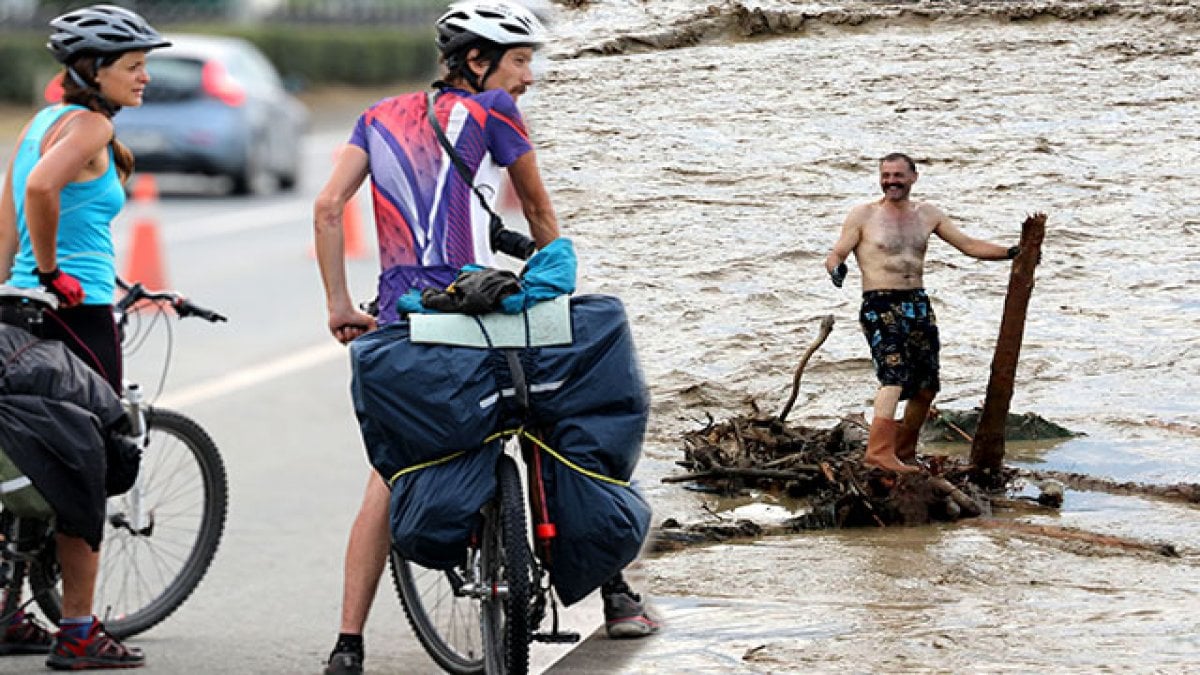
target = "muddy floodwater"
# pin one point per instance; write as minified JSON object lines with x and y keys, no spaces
{"x":703,"y":155}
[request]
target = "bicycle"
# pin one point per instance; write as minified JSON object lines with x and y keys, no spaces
{"x":481,"y":616}
{"x":163,"y":533}
{"x":481,"y":575}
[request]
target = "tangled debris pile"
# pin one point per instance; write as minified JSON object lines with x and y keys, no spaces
{"x":825,"y":467}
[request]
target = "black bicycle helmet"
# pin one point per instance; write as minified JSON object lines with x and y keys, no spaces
{"x":502,"y":23}
{"x":101,"y":29}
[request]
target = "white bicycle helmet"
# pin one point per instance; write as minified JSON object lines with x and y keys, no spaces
{"x":101,"y":29}
{"x":500,"y":22}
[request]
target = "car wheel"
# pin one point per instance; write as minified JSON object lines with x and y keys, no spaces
{"x":288,"y":180}
{"x":251,"y":178}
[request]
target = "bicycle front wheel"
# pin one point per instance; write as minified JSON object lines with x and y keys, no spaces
{"x":444,"y":617}
{"x":149,"y":565}
{"x":507,"y":563}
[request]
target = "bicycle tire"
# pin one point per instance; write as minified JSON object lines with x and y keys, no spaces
{"x":445,"y":622}
{"x":138,"y":587}
{"x":507,"y":563}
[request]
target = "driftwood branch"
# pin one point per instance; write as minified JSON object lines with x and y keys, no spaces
{"x":826,"y":329}
{"x":677,"y":537}
{"x":1081,"y":536}
{"x":1181,"y":492}
{"x":797,"y":472}
{"x":987,"y":450}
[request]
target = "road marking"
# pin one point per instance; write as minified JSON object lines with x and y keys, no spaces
{"x":253,"y":376}
{"x":243,"y":220}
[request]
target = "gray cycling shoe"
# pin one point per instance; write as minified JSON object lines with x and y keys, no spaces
{"x":625,"y":616}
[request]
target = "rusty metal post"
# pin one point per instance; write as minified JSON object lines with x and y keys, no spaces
{"x":987,"y":450}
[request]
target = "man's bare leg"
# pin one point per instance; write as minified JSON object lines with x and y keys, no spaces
{"x":916,"y":411}
{"x":881,"y":442}
{"x":366,"y":554}
{"x":79,"y":565}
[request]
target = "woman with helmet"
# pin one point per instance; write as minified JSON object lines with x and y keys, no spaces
{"x":63,"y":187}
{"x":430,"y":225}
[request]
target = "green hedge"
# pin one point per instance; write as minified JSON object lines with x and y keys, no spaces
{"x":313,"y":56}
{"x":353,"y":55}
{"x":24,"y":55}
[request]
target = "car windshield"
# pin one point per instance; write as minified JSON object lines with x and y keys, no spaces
{"x":173,"y":79}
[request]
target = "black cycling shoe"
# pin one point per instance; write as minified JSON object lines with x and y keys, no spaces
{"x":344,"y":663}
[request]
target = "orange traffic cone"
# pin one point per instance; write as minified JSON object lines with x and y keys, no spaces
{"x":144,"y":260}
{"x":352,"y":235}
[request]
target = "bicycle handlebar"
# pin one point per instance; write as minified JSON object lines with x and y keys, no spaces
{"x":135,"y":293}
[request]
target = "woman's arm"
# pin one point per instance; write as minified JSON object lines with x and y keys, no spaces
{"x":9,"y":239}
{"x":83,"y":138}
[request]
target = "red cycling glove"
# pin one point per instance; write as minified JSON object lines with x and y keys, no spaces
{"x":64,"y":286}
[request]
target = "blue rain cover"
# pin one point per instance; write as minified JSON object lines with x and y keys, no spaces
{"x":421,"y":403}
{"x":434,"y":510}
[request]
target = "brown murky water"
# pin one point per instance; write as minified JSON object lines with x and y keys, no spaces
{"x":702,"y":156}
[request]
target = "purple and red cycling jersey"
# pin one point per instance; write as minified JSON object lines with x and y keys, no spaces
{"x":429,"y":222}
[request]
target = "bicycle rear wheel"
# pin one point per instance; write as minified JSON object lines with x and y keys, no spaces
{"x":507,"y":563}
{"x":444,"y":617}
{"x":148,"y":572}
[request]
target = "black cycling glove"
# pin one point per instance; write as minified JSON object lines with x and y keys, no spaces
{"x":838,"y":275}
{"x":510,"y":242}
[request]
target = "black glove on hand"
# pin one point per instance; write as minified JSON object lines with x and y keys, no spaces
{"x":1013,"y":251}
{"x":838,"y":275}
{"x":514,"y":244}
{"x":509,"y":242}
{"x":64,"y":286}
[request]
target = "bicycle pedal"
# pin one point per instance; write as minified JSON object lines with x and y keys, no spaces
{"x":557,"y":638}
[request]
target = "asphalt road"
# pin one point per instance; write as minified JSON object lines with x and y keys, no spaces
{"x":271,"y":387}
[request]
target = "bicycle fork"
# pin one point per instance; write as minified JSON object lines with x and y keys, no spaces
{"x":136,"y":518}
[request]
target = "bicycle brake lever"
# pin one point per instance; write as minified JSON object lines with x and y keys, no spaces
{"x":185,"y":307}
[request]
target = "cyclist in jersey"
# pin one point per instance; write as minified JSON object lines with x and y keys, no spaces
{"x":429,"y":225}
{"x":63,"y":187}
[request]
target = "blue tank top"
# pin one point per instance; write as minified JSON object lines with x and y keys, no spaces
{"x":86,"y":211}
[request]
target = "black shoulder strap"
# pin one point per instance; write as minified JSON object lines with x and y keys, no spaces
{"x":463,"y":171}
{"x":503,"y":240}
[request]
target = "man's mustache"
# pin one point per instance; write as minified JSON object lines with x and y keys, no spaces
{"x":888,"y":186}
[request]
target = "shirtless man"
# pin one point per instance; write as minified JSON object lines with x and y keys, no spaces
{"x":888,"y":238}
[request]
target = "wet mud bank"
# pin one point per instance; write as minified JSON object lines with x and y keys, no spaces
{"x":738,"y":20}
{"x":704,"y":172}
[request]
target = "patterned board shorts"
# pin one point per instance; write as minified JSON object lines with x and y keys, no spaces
{"x":902,"y":331}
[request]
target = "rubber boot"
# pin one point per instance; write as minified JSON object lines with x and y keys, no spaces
{"x":881,"y":447}
{"x":906,"y":442}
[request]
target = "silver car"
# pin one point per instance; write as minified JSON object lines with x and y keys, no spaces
{"x":216,"y":106}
